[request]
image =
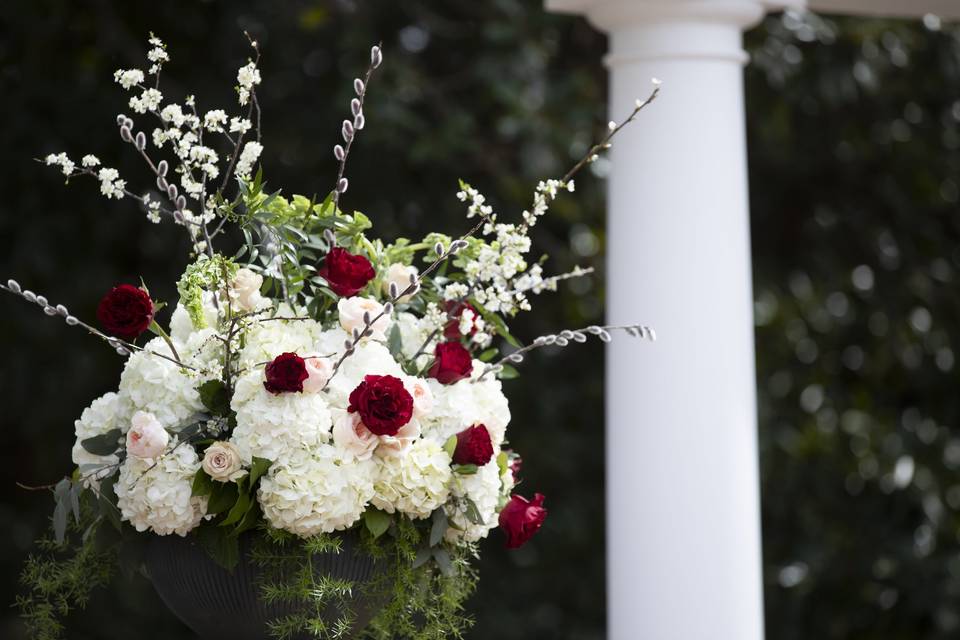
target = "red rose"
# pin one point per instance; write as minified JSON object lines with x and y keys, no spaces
{"x":454,"y":310}
{"x":522,"y":518}
{"x":383,"y":403}
{"x":346,"y":273}
{"x":451,"y":362}
{"x":285,"y":373}
{"x":473,"y":446}
{"x":126,"y":311}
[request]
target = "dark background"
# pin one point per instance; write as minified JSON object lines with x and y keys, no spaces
{"x":854,"y":170}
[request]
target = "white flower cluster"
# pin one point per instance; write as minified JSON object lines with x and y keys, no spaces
{"x":156,"y":495}
{"x":251,"y":151}
{"x":248,"y":77}
{"x":499,"y":274}
{"x":103,"y":415}
{"x":414,"y":481}
{"x":483,"y":490}
{"x":158,"y":386}
{"x":316,"y":491}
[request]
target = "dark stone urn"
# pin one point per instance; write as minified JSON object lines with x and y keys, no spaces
{"x":217,"y":603}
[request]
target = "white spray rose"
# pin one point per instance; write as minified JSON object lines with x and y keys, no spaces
{"x":319,"y":371}
{"x":222,"y":462}
{"x":399,"y":274}
{"x":352,"y":437}
{"x":146,"y":438}
{"x":245,"y":290}
{"x":351,"y":316}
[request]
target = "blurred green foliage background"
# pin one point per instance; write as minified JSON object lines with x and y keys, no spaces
{"x":854,"y":161}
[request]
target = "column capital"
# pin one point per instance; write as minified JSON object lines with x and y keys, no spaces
{"x":613,"y":15}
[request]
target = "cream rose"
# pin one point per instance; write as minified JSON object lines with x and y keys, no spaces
{"x":351,"y":316}
{"x":422,"y":397}
{"x":222,"y":462}
{"x":403,"y":438}
{"x":351,"y":436}
{"x":146,"y":438}
{"x":319,"y":371}
{"x":399,"y":274}
{"x":245,"y":290}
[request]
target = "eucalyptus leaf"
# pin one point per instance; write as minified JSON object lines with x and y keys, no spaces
{"x":438,"y":527}
{"x":472,"y":512}
{"x":103,"y":444}
{"x":443,"y":561}
{"x":423,"y":554}
{"x":395,"y":342}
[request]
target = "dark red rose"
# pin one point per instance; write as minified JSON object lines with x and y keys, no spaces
{"x":454,"y":310}
{"x":522,"y":518}
{"x":473,"y":446}
{"x":451,"y":362}
{"x":285,"y":373}
{"x":383,"y":403}
{"x":346,"y":273}
{"x":126,"y":311}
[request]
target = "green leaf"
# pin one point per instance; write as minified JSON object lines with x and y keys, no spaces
{"x":222,"y":498}
{"x":488,"y":355}
{"x":222,"y":547}
{"x":423,"y":554}
{"x":214,"y":396}
{"x":61,"y":494}
{"x":503,"y":462}
{"x":202,"y":484}
{"x":472,"y":512}
{"x":443,"y":561}
{"x":465,"y":469}
{"x":499,"y":325}
{"x":508,"y":373}
{"x":438,"y":527}
{"x":450,"y":445}
{"x":376,"y":521}
{"x":249,"y":520}
{"x":107,"y":500}
{"x":239,"y":509}
{"x":103,"y":444}
{"x":75,"y":490}
{"x":259,"y":467}
{"x":395,"y":342}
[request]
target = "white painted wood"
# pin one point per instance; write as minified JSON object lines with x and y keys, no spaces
{"x":683,"y":529}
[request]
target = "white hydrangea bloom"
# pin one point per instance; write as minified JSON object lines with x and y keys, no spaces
{"x":277,"y":426}
{"x":104,"y":414}
{"x":181,"y":325}
{"x":414,"y":481}
{"x":311,"y":492}
{"x":159,"y":498}
{"x":483,"y":488}
{"x":466,"y":403}
{"x":370,"y":358}
{"x":159,"y":386}
{"x":266,"y":340}
{"x":413,"y":333}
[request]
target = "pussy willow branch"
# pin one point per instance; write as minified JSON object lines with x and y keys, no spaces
{"x":563,"y":338}
{"x":349,"y":139}
{"x":120,"y":346}
{"x":414,"y":285}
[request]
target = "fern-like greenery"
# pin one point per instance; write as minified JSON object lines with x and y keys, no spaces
{"x":61,"y":576}
{"x":418,"y":600}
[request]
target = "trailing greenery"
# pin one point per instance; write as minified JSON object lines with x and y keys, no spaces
{"x":417,"y":595}
{"x":62,"y":575}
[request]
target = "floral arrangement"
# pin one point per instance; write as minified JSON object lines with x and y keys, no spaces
{"x":314,"y":380}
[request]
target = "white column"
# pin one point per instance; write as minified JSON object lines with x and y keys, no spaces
{"x":683,"y":528}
